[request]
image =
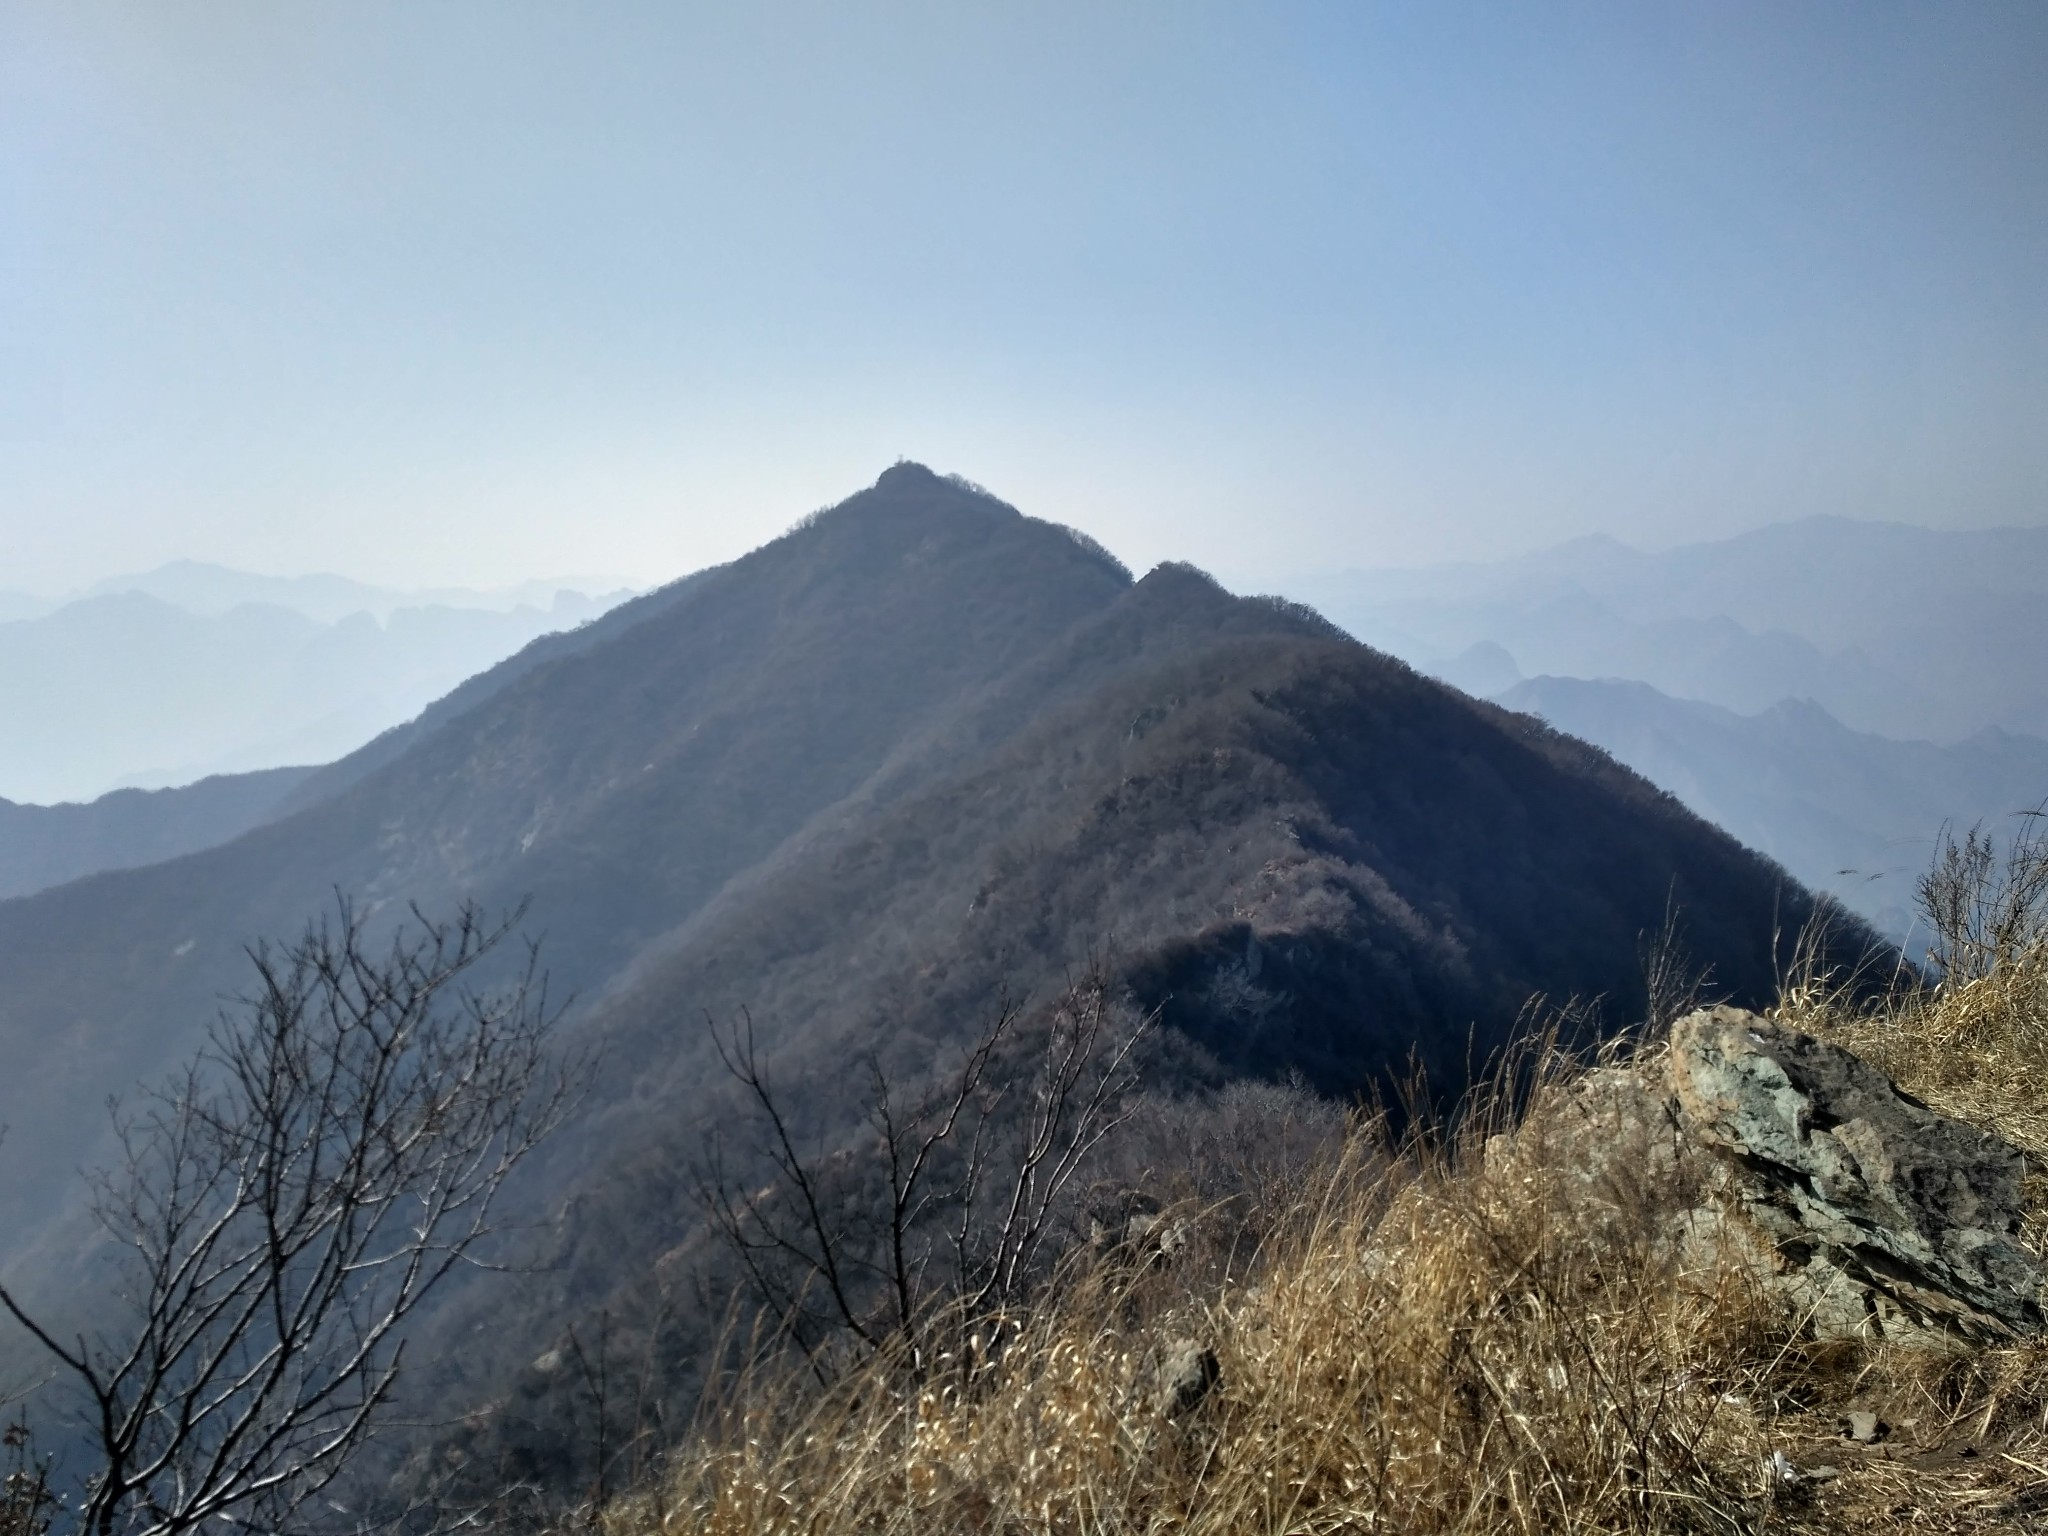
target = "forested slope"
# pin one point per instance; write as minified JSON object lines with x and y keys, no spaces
{"x":617,"y":786}
{"x":918,"y":753}
{"x":1310,"y":860}
{"x":46,"y":845}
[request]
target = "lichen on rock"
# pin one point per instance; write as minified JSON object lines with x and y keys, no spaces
{"x":1746,"y":1143}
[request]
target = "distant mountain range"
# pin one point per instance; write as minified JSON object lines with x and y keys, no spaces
{"x":193,"y":670}
{"x":921,"y":751}
{"x":212,"y":590}
{"x":1905,"y":632}
{"x":1849,"y":813}
{"x":20,"y":605}
{"x":1832,"y":692}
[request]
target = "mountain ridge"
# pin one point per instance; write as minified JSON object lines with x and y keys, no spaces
{"x":209,"y":589}
{"x":128,"y":690}
{"x":918,"y":750}
{"x":167,"y":938}
{"x":49,"y":845}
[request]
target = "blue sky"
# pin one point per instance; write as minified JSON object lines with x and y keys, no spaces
{"x":473,"y":292}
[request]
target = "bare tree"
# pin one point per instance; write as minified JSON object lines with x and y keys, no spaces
{"x":27,"y":1501}
{"x":281,"y":1207}
{"x":966,"y":1175}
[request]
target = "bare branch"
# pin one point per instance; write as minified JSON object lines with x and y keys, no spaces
{"x":863,"y":1238}
{"x":286,"y":1203}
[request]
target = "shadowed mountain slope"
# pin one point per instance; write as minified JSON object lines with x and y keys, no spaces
{"x":1308,"y":857}
{"x":1227,"y":778}
{"x":328,"y":781}
{"x":619,"y":787}
{"x":918,"y":750}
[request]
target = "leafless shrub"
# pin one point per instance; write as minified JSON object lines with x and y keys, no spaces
{"x":1450,"y":1332}
{"x":1673,"y":983}
{"x":953,"y":1196}
{"x":28,"y":1504}
{"x":285,"y":1203}
{"x":1985,"y":911}
{"x":1426,"y":1343}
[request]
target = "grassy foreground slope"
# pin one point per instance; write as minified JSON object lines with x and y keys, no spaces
{"x":1428,"y":1337}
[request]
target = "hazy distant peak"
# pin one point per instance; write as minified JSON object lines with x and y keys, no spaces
{"x":139,"y":612}
{"x":197,"y":669}
{"x":1598,"y":545}
{"x":1533,"y":693}
{"x":17,"y":606}
{"x":202,"y":587}
{"x":912,"y":512}
{"x":208,"y":590}
{"x":1806,"y":709}
{"x":908,"y":480}
{"x":1482,"y":670}
{"x":910,"y":488}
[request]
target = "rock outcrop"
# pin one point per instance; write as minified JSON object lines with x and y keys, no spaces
{"x":1886,"y":1210}
{"x":1869,"y":1214}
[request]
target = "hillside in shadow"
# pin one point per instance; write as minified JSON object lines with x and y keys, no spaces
{"x":918,"y":754}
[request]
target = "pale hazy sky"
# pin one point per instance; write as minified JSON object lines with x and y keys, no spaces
{"x":440,"y":293}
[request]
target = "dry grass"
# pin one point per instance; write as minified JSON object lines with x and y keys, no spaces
{"x":1974,"y":1044}
{"x":1435,"y":1339}
{"x":1415,"y":1354}
{"x":1971,"y":1448}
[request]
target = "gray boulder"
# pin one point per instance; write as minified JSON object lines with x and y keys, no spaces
{"x":1884,"y":1216}
{"x":1867,"y":1214}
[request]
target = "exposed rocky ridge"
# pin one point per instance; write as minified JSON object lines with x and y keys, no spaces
{"x":1749,"y":1144}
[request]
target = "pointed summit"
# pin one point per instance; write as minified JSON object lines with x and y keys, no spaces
{"x":907,"y":483}
{"x":905,"y":474}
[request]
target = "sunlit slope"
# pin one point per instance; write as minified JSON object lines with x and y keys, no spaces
{"x":618,"y":786}
{"x":920,"y":748}
{"x":1309,"y":858}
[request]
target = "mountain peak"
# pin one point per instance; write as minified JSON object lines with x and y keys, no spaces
{"x":909,"y":481}
{"x":905,"y":474}
{"x":907,"y":487}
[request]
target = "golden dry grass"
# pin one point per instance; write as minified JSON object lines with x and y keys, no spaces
{"x":1433,"y":1340}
